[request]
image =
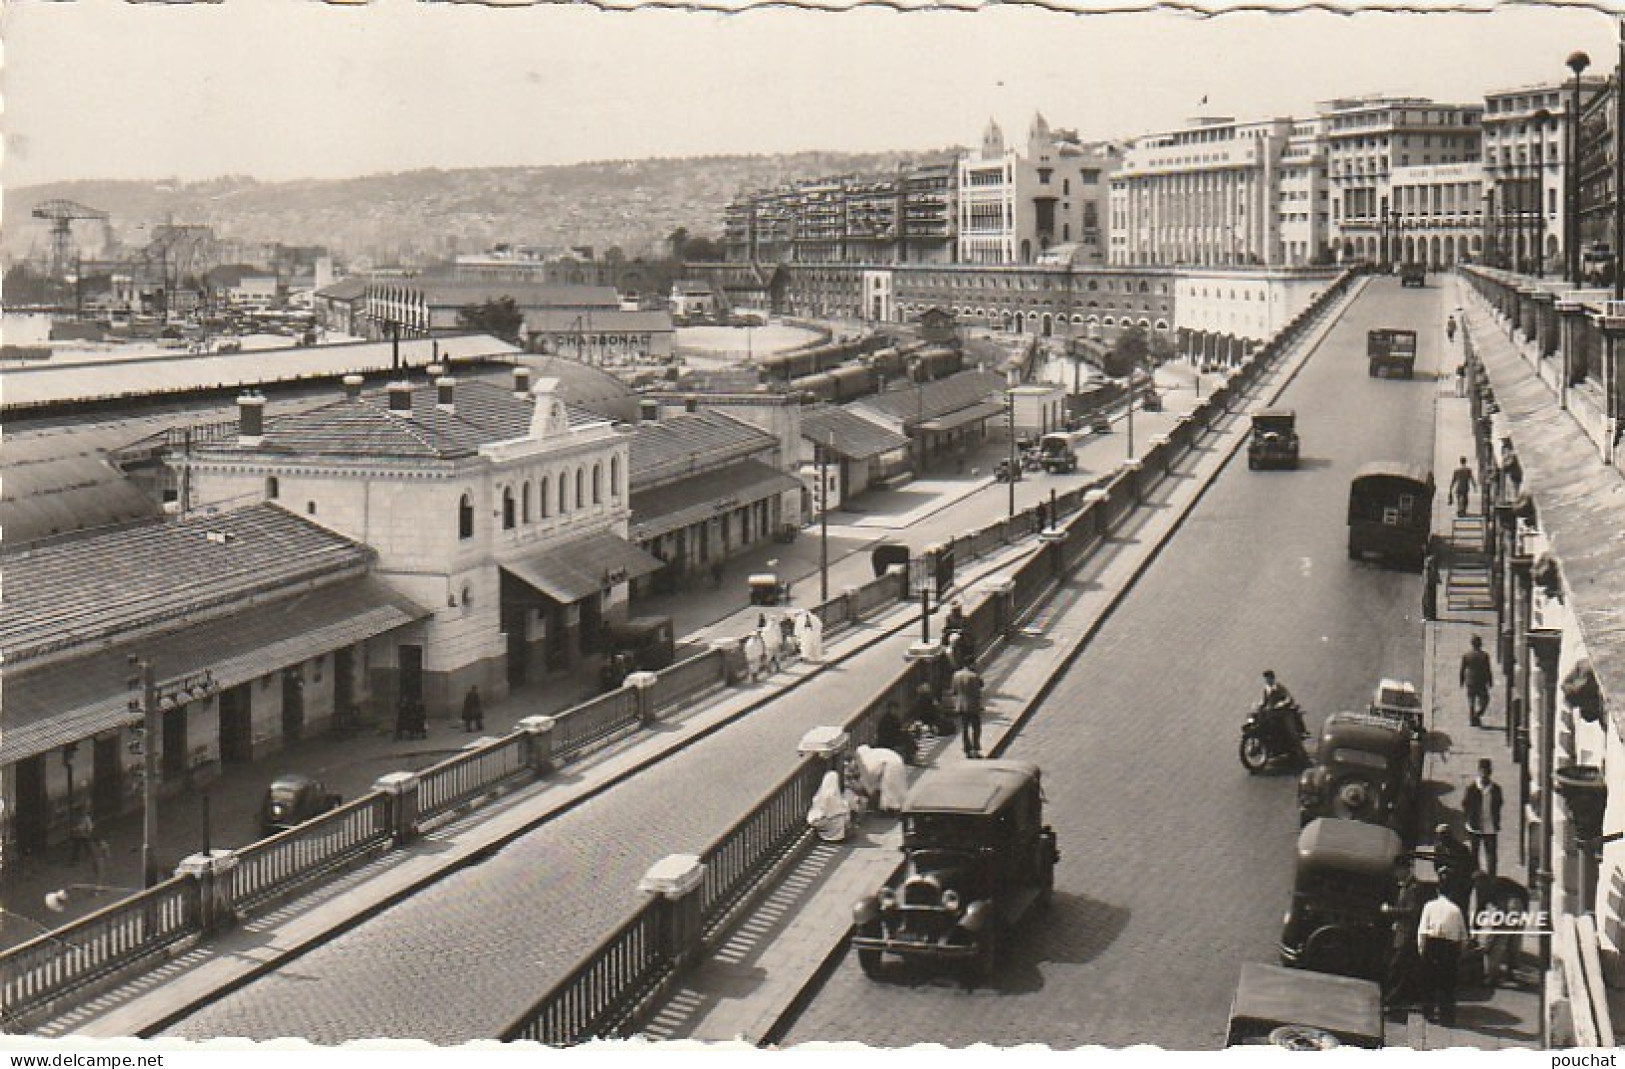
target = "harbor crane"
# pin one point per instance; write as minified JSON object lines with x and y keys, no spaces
{"x":62,"y":214}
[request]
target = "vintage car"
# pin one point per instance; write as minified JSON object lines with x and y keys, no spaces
{"x":1389,"y":350}
{"x":979,"y":858}
{"x":292,"y":799}
{"x":649,"y":640}
{"x":1274,"y":441}
{"x":1058,"y":451}
{"x":1343,"y":877}
{"x":1413,"y":274}
{"x":1398,"y":698}
{"x":1302,"y":1010}
{"x":1390,"y":512}
{"x":1367,"y":767}
{"x":1100,"y":423}
{"x":1151,"y":401}
{"x":766,"y":588}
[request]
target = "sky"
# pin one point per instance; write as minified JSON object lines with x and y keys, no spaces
{"x":287,"y":89}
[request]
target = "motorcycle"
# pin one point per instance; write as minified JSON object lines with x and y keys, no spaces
{"x":1274,"y":737}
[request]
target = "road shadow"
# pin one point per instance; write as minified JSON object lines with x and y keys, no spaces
{"x":1315,"y":463}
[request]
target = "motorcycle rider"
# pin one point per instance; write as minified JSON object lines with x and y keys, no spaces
{"x":1281,"y":714}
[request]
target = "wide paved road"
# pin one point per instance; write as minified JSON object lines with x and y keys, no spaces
{"x":1175,"y":864}
{"x":466,"y":956}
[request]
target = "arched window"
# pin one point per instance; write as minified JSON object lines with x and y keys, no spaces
{"x":597,"y":484}
{"x":508,"y":517}
{"x":465,"y":517}
{"x":524,"y":503}
{"x":614,"y":476}
{"x":581,"y":487}
{"x":564,"y":493}
{"x":544,"y":493}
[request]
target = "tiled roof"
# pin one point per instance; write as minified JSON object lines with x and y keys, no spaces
{"x":85,"y":590}
{"x":54,"y":704}
{"x":678,"y":504}
{"x":936,"y":399}
{"x":687,"y":442}
{"x":849,"y":434}
{"x":483,"y":413}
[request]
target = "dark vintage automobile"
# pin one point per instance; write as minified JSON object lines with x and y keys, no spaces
{"x":1413,"y":274}
{"x":1390,"y":351}
{"x":1391,"y":512}
{"x":649,"y":639}
{"x":1368,"y":767}
{"x":1343,"y":877}
{"x":1302,"y":1010}
{"x":292,"y":799}
{"x":766,"y":588}
{"x":979,"y":858}
{"x":887,"y":555}
{"x":1100,"y":423}
{"x":1274,"y":441}
{"x":1151,"y":401}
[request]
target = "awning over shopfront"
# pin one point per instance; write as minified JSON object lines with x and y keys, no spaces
{"x":67,"y":701}
{"x":699,"y":497}
{"x":965,"y":416}
{"x":850,"y":435}
{"x":572,"y":571}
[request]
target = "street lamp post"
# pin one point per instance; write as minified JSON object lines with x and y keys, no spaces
{"x":1577,"y":62}
{"x":1543,"y":119}
{"x":1010,"y":429}
{"x":822,"y":448}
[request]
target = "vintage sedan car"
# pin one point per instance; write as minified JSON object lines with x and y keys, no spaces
{"x":1302,"y":1010}
{"x":292,"y":799}
{"x":1343,"y":885}
{"x":979,"y":858}
{"x":1274,"y":441}
{"x":1368,"y":767}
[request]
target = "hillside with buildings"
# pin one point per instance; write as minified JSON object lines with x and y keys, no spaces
{"x":416,"y":215}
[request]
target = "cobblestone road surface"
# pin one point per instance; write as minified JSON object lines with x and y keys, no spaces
{"x":1175,"y":863}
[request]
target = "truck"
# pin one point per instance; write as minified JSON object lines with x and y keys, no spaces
{"x":1390,"y":350}
{"x":1413,"y":274}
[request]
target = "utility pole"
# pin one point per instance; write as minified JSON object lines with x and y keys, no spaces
{"x":822,"y":449}
{"x":1010,"y":429}
{"x":144,"y":699}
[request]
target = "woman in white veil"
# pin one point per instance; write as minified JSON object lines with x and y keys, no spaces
{"x":882,"y":777}
{"x":830,"y":815}
{"x":810,"y":629}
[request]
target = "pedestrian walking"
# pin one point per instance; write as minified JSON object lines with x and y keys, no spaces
{"x":473,"y":710}
{"x":1440,"y":936}
{"x":81,"y":835}
{"x":772,"y":639}
{"x":1450,"y":329}
{"x":1404,"y":961}
{"x":967,"y":690}
{"x":1462,"y":483}
{"x":1481,"y":805}
{"x":1461,"y":380}
{"x":1476,"y":677}
{"x":1511,"y":470}
{"x":1430,"y":581}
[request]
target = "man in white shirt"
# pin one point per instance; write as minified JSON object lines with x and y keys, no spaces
{"x":1440,"y":936}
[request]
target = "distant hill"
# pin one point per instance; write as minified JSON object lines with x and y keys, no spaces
{"x":413,"y":215}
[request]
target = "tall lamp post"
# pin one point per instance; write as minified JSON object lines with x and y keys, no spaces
{"x":822,"y":449}
{"x":1577,"y":62}
{"x":146,"y":699}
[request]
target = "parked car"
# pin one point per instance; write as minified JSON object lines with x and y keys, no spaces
{"x":1058,"y":451}
{"x":1274,"y":441}
{"x":1398,"y":698}
{"x":650,"y":641}
{"x":1303,"y":1010}
{"x":292,"y":799}
{"x":1100,"y":423}
{"x":1343,"y":877}
{"x":1368,"y":767}
{"x":979,"y":858}
{"x":1390,"y":512}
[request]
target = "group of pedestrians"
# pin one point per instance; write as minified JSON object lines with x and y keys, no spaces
{"x":774,"y":642}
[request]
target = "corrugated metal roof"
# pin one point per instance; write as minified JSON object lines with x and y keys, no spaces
{"x":555,"y":321}
{"x":173,"y":373}
{"x":582,"y":567}
{"x":92,"y":588}
{"x":675,"y":505}
{"x":460,"y":292}
{"x":934,"y":400}
{"x":682,"y":442}
{"x":60,"y":703}
{"x":849,"y":434}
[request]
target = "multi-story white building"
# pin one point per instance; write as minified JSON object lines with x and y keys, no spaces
{"x":1524,"y":215}
{"x":1438,"y":212}
{"x":1206,"y":194}
{"x":1303,"y":202}
{"x":1013,"y":207}
{"x":1366,"y":141}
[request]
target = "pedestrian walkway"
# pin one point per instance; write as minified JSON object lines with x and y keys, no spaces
{"x":749,"y":987}
{"x":1508,"y":1014}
